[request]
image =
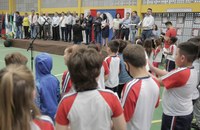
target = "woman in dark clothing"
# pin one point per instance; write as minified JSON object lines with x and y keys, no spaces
{"x":105,"y":29}
{"x":77,"y":33}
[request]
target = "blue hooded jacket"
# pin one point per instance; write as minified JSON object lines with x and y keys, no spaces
{"x":48,"y":86}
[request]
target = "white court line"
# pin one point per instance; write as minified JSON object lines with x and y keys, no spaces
{"x":57,"y":75}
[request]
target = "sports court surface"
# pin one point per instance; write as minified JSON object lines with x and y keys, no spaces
{"x":59,"y":68}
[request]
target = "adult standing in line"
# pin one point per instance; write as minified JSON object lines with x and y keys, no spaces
{"x":88,"y":27}
{"x":33,"y":20}
{"x":63,"y":27}
{"x":116,"y":26}
{"x":97,"y":28}
{"x":135,"y":19}
{"x":41,"y":26}
{"x":47,"y":29}
{"x":19,"y":21}
{"x":125,"y":27}
{"x":69,"y":21}
{"x":105,"y":29}
{"x":56,"y":27}
{"x":147,"y":24}
{"x":26,"y":25}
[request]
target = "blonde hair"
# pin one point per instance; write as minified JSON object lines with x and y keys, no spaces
{"x":17,"y":107}
{"x":15,"y":58}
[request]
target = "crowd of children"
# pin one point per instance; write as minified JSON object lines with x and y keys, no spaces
{"x":114,"y":87}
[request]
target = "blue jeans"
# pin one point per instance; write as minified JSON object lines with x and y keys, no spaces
{"x":132,"y":35}
{"x":98,"y":37}
{"x":19,"y":32}
{"x":33,"y":31}
{"x":146,"y":34}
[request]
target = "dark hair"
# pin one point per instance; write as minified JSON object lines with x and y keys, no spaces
{"x":17,"y":12}
{"x":37,"y":13}
{"x":77,"y":20}
{"x":196,"y":41}
{"x":189,"y":50}
{"x":149,"y":9}
{"x":114,"y":46}
{"x":15,"y":58}
{"x":117,"y":14}
{"x":173,"y":40}
{"x":168,"y":23}
{"x":104,"y":16}
{"x":84,"y":67}
{"x":158,"y":41}
{"x":122,"y":45}
{"x":148,"y":46}
{"x":94,"y":46}
{"x":134,"y":12}
{"x":135,"y":55}
{"x":128,"y":13}
{"x":156,"y":27}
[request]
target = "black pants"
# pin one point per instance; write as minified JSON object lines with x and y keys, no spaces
{"x":120,"y":88}
{"x":68,"y":33}
{"x":41,"y":32}
{"x":88,"y":33}
{"x":115,"y":89}
{"x":56,"y":33}
{"x":63,"y":33}
{"x":176,"y":122}
{"x":117,"y":34}
{"x":171,"y":65}
{"x":26,"y":31}
{"x":125,"y":33}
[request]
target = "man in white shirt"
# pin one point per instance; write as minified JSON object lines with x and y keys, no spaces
{"x":147,"y":24}
{"x":69,"y":22}
{"x":55,"y":27}
{"x":47,"y":23}
{"x":41,"y":22}
{"x":63,"y":26}
{"x":33,"y":21}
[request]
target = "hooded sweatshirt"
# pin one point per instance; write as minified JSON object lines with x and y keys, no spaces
{"x":48,"y":89}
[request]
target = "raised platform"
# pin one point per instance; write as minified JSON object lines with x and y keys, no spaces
{"x":49,"y":46}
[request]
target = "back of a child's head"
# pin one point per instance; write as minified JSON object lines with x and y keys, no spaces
{"x":122,"y":45}
{"x":43,"y":64}
{"x":148,"y":46}
{"x":173,"y":40}
{"x":114,"y":46}
{"x":196,"y":41}
{"x":158,"y":41}
{"x":189,"y":50}
{"x":139,"y":42}
{"x":68,"y":51}
{"x":17,"y":98}
{"x":84,"y":67}
{"x":135,"y":55}
{"x":95,"y":46}
{"x":15,"y":58}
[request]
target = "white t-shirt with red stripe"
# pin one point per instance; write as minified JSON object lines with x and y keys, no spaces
{"x":158,"y":55}
{"x":113,"y":65}
{"x":139,"y":99}
{"x":104,"y":71}
{"x":89,"y":110}
{"x":172,"y":49}
{"x":179,"y":86}
{"x":42,"y":123}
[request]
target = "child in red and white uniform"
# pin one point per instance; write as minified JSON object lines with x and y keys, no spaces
{"x":171,"y":54}
{"x":113,"y":62}
{"x":67,"y":86}
{"x":179,"y":87}
{"x":141,"y":95}
{"x":103,"y":77}
{"x":157,"y":53}
{"x":17,"y":91}
{"x":88,"y":108}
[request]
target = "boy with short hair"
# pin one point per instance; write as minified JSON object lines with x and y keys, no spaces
{"x":179,"y":86}
{"x":15,"y":58}
{"x":113,"y":62}
{"x":141,"y":95}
